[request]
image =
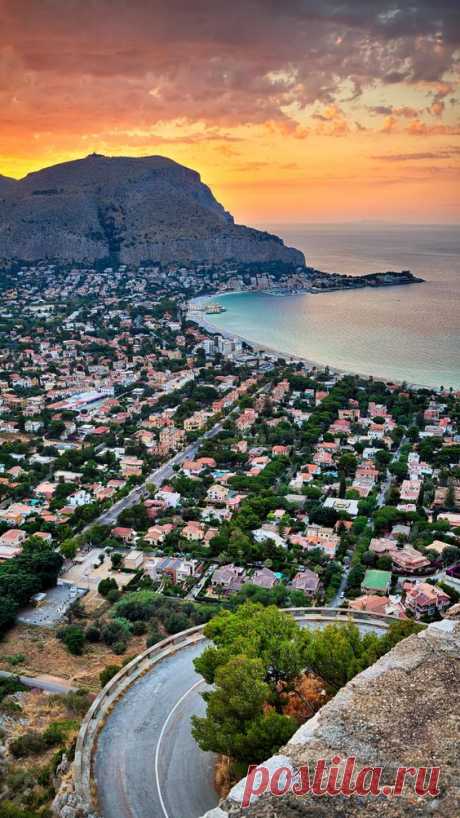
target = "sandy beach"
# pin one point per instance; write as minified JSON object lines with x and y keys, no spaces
{"x":202,"y":319}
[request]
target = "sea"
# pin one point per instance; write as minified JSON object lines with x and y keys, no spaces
{"x":406,"y":333}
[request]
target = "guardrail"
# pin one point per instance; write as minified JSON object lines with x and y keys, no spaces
{"x":101,"y":706}
{"x":144,"y":662}
{"x":342,"y":614}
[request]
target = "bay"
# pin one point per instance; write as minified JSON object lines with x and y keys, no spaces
{"x":408,"y":333}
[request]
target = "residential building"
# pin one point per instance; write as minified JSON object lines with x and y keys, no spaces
{"x":228,"y":579}
{"x":423,"y":599}
{"x":306,"y":581}
{"x":408,"y":560}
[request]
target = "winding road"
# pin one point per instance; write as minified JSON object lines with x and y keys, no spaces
{"x":147,"y":764}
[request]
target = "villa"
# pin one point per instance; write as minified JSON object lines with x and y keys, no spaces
{"x":423,"y":599}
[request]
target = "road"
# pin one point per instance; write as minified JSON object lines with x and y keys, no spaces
{"x":156,"y":478}
{"x":165,"y":471}
{"x":52,"y":684}
{"x":337,"y":600}
{"x":147,"y":764}
{"x":193,"y":593}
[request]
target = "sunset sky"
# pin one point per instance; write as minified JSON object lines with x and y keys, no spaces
{"x":291,"y":110}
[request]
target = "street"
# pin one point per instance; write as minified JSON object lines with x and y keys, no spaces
{"x":163,"y":472}
{"x":52,"y":684}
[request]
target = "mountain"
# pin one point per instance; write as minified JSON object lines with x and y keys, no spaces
{"x":129,"y":210}
{"x":6,"y":184}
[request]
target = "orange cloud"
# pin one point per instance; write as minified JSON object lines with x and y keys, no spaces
{"x":389,"y":124}
{"x":279,"y":94}
{"x":437,"y":108}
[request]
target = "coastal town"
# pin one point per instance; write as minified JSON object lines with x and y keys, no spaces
{"x":131,"y":435}
{"x":229,"y":409}
{"x":153,"y":472}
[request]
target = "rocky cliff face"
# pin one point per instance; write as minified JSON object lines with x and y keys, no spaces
{"x":402,"y":711}
{"x":129,"y":210}
{"x":6,"y":184}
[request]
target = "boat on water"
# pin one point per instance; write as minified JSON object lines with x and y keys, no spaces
{"x":214,"y":309}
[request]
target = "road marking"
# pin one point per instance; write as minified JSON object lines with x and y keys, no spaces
{"x":163,"y":729}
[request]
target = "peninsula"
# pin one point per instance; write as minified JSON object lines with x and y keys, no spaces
{"x":150,"y":211}
{"x":282,"y":279}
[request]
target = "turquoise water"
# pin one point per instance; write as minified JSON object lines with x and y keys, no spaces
{"x":407,"y":333}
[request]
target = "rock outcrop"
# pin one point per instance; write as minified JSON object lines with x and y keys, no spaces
{"x":402,"y":711}
{"x":128,"y":210}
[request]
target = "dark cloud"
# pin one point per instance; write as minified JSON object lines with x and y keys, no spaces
{"x":125,"y":61}
{"x":404,"y":111}
{"x":381,"y":110}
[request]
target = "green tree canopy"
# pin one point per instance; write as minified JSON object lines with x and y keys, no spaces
{"x":237,"y":723}
{"x":254,"y":631}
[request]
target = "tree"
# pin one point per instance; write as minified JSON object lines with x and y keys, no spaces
{"x":347,"y":464}
{"x":176,"y":622}
{"x":138,"y":605}
{"x":106,"y":585}
{"x":135,"y":517}
{"x":450,"y":554}
{"x":116,"y":559}
{"x":113,"y":596}
{"x":93,"y":633}
{"x":98,"y":534}
{"x":385,"y":518}
{"x":266,"y":633}
{"x":413,"y":434}
{"x":153,"y":636}
{"x":369,"y":558}
{"x":450,"y":496}
{"x":56,"y":428}
{"x":256,"y":664}
{"x":236,"y":723}
{"x":8,"y":611}
{"x":73,"y":637}
{"x":382,"y":458}
{"x":355,"y":578}
{"x":28,"y":744}
{"x":69,"y":548}
{"x":399,"y":469}
{"x":108,"y":673}
{"x":118,"y":630}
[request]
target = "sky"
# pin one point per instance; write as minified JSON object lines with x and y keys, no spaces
{"x":291,"y":110}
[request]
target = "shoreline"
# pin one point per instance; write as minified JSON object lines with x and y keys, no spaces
{"x":202,"y":320}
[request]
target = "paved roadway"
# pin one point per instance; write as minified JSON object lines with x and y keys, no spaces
{"x":338,"y":599}
{"x":52,"y":684}
{"x":147,"y":764}
{"x":166,"y":471}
